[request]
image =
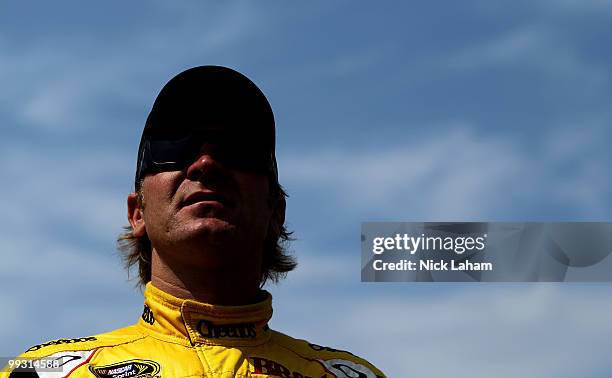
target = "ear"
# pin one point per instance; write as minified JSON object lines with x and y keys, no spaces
{"x":278,"y":215}
{"x":135,"y":213}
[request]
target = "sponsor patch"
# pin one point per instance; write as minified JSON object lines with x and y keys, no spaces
{"x":61,"y":341}
{"x":127,"y":369}
{"x":347,"y":369}
{"x":147,"y":315}
{"x":273,"y":368}
{"x":236,"y":331}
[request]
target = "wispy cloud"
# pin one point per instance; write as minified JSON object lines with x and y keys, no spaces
{"x":76,"y":190}
{"x":577,"y":6}
{"x":460,"y":175}
{"x":418,"y":177}
{"x":537,"y":47}
{"x":470,"y":332}
{"x":53,"y":81}
{"x":53,"y":289}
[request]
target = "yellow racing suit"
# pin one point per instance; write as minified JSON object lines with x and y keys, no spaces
{"x":184,"y":338}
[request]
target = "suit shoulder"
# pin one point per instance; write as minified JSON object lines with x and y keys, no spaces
{"x":86,"y":343}
{"x":336,"y":360}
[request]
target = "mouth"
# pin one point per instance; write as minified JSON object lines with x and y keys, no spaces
{"x":205,"y":197}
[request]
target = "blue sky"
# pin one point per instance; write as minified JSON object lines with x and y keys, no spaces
{"x":473,"y":110}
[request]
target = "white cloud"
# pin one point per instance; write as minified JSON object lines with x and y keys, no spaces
{"x":53,"y":290}
{"x":330,"y":267}
{"x":516,"y":44}
{"x":12,"y":310}
{"x":457,"y":175}
{"x":47,"y":109}
{"x":343,"y":63}
{"x":537,"y":47}
{"x":208,"y":29}
{"x":577,"y":6}
{"x":46,"y":189}
{"x":449,"y":175}
{"x":44,"y":261}
{"x":531,"y":330}
{"x":54,"y":80}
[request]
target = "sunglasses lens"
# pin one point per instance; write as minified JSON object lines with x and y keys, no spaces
{"x":235,"y":153}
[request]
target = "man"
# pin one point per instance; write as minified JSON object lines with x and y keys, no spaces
{"x":206,"y":231}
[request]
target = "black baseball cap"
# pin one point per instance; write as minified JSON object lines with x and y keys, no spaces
{"x":208,"y":103}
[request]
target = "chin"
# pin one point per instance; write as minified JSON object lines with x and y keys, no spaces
{"x":211,"y":229}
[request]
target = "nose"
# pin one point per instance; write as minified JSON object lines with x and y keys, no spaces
{"x":204,"y":162}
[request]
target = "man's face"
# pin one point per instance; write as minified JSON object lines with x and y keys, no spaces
{"x":208,"y":206}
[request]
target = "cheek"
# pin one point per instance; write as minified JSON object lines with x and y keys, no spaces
{"x":161,"y":187}
{"x":159,"y":193}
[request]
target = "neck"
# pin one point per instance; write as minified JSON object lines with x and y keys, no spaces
{"x":229,"y":287}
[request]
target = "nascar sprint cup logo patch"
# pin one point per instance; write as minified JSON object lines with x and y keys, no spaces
{"x":127,"y":369}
